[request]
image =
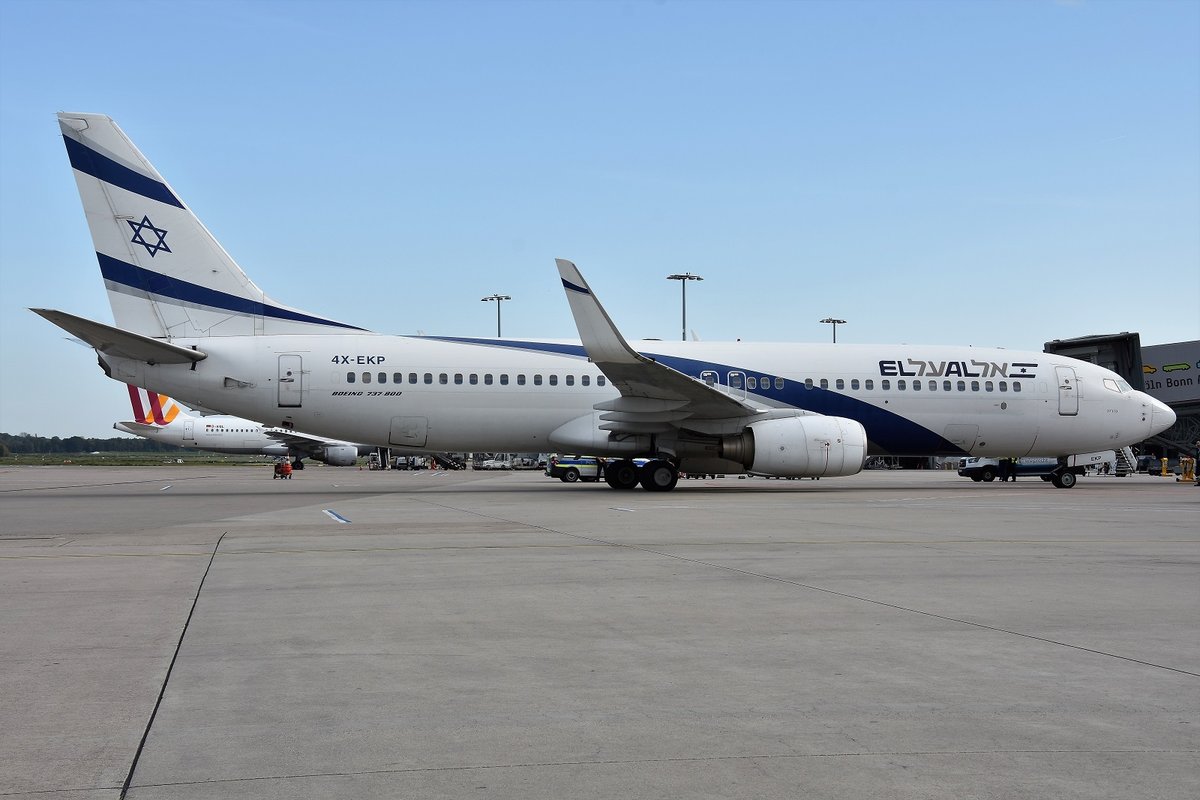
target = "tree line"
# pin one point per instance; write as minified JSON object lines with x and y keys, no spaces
{"x":11,"y":444}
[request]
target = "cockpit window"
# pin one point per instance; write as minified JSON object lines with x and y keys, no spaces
{"x":1125,"y":387}
{"x":1111,"y":385}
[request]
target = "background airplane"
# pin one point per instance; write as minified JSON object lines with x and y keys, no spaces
{"x":158,"y":417}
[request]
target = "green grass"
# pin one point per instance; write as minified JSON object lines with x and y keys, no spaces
{"x":118,"y":459}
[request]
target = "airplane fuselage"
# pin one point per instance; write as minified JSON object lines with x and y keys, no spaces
{"x":454,"y":394}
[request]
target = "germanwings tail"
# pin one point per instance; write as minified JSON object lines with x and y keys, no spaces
{"x":165,"y":273}
{"x":152,"y":409}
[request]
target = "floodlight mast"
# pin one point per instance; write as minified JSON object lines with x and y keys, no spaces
{"x":498,"y":298}
{"x":683,"y":278}
{"x":834,"y":323}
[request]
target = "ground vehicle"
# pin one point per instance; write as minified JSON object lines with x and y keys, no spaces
{"x":283,"y":470}
{"x":1062,"y":472}
{"x":496,"y":463}
{"x":571,"y":468}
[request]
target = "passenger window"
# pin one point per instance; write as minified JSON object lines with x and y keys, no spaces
{"x":487,"y":379}
{"x":428,"y":377}
{"x":916,"y":386}
{"x":383,"y":377}
{"x":808,"y":383}
{"x":933,"y":386}
{"x":443,"y":378}
{"x":824,"y":383}
{"x":586,"y":380}
{"x":854,"y":383}
{"x":366,"y":377}
{"x":537,"y":380}
{"x":869,"y":384}
{"x":987,"y":386}
{"x":397,"y":377}
{"x":554,"y":380}
{"x":779,"y":383}
{"x":601,"y":380}
{"x":412,"y":377}
{"x":350,"y":377}
{"x":962,"y":386}
{"x":474,"y":378}
{"x":901,"y":385}
{"x":458,"y":378}
{"x":974,"y":386}
{"x":570,"y":380}
{"x":1016,"y":386}
{"x":1004,"y":386}
{"x":751,"y":382}
{"x":521,"y":379}
{"x":841,"y":384}
{"x":504,"y":379}
{"x":947,"y":386}
{"x":885,"y":384}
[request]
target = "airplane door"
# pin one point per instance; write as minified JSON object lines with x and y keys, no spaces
{"x":710,"y":378}
{"x":189,"y":431}
{"x":409,"y":431}
{"x":291,"y":381}
{"x":1068,"y":391}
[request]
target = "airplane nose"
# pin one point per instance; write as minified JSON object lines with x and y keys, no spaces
{"x":1161,"y":416}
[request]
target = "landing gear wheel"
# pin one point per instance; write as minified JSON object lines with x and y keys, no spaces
{"x":1065,"y":480}
{"x":659,"y":476}
{"x":621,"y":474}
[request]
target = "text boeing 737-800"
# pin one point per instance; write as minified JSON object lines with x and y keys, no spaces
{"x":191,"y":324}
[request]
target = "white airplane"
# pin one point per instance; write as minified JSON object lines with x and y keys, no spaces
{"x":191,"y":324}
{"x":161,"y":419}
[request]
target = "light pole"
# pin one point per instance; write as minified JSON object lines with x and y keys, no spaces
{"x":499,"y":298}
{"x":834,"y":323}
{"x":683,"y":282}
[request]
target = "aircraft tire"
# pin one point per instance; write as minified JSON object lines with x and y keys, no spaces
{"x":659,"y":476}
{"x":621,"y":475}
{"x":1065,"y":480}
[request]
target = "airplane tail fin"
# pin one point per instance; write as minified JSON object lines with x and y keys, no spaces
{"x":166,"y":275}
{"x":152,"y":409}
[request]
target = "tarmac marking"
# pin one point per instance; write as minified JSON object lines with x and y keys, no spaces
{"x":163,"y":489}
{"x":336,"y":516}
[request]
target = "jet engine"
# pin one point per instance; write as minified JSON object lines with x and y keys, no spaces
{"x":800,"y":447}
{"x":338,"y":455}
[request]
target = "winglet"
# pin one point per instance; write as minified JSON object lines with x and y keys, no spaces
{"x":600,"y":337}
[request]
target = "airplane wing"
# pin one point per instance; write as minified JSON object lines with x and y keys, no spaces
{"x":654,"y":397}
{"x":123,"y":344}
{"x":302,"y":442}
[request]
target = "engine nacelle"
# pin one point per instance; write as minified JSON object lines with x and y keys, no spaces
{"x":800,"y":447}
{"x":338,"y":455}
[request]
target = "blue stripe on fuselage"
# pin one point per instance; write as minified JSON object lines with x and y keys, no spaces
{"x":888,"y":431}
{"x":154,"y":283}
{"x":85,"y":159}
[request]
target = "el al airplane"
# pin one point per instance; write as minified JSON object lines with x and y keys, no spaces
{"x":161,"y":419}
{"x":191,"y":324}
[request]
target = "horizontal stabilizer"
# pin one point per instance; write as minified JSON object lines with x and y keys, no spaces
{"x":122,"y":344}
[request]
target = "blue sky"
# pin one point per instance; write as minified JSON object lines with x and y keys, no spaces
{"x":990,"y":173}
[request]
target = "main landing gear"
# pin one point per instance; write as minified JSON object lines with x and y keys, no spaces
{"x":656,"y":475}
